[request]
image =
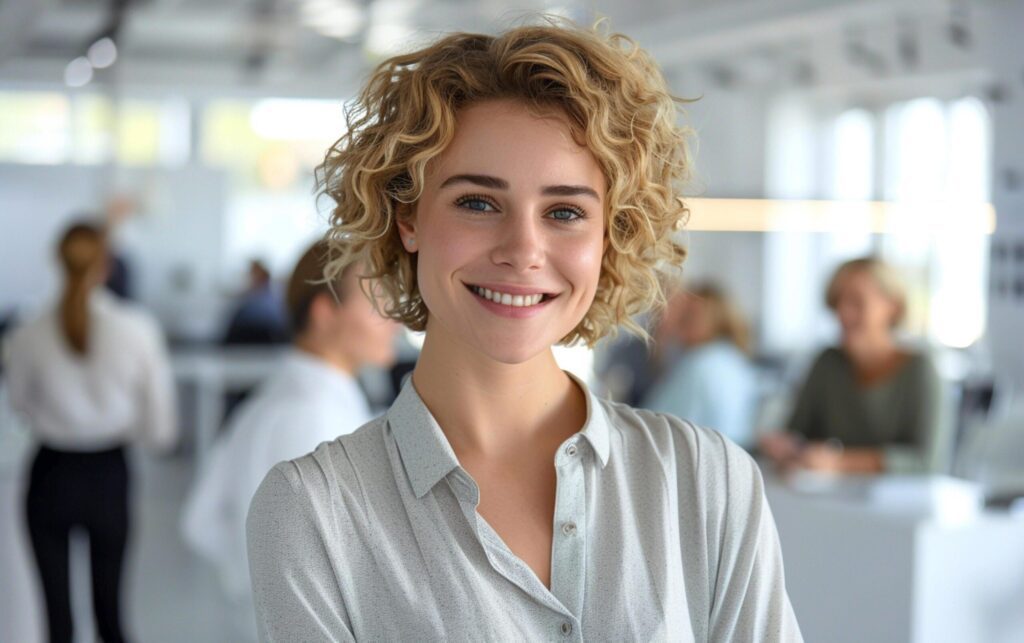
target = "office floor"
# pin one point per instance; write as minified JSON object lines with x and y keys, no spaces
{"x":170,"y":595}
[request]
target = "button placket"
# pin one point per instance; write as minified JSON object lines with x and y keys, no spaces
{"x":569,"y":544}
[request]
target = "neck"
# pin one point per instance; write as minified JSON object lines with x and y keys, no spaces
{"x":487,"y":408}
{"x":871,"y":352}
{"x":316,"y":349}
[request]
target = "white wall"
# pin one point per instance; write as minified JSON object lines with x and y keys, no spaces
{"x":174,"y":245}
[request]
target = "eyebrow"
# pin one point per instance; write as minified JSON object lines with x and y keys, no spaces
{"x":496,"y":183}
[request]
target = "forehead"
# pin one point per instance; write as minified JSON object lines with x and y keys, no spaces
{"x":859,"y":280}
{"x":507,"y":139}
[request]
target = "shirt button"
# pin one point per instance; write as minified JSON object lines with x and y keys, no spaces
{"x":567,"y":628}
{"x":570,"y":450}
{"x":569,"y":528}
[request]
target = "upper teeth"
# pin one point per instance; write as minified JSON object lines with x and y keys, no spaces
{"x":507,"y":299}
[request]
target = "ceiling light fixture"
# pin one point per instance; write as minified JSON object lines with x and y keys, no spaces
{"x":102,"y":53}
{"x":78,"y":73}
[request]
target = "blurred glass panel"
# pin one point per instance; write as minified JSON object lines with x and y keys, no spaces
{"x":961,"y":266}
{"x":270,"y":149}
{"x":93,"y":134}
{"x":138,"y":132}
{"x":935,"y":165}
{"x":854,"y":164}
{"x":270,"y":143}
{"x":35,"y":127}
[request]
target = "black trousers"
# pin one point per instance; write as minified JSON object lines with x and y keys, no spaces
{"x":88,"y":491}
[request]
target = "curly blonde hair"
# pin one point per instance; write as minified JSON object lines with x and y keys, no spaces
{"x":616,"y":103}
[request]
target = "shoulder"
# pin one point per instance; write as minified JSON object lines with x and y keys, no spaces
{"x":696,"y":454}
{"x":920,"y":360}
{"x":830,"y":357}
{"x":328,"y":482}
{"x":827,"y":363}
{"x":24,"y":332}
{"x":726,"y":357}
{"x":920,"y":366}
{"x":130,"y":319}
{"x":29,"y":340}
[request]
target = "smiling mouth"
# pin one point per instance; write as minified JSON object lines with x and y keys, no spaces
{"x":508,"y":299}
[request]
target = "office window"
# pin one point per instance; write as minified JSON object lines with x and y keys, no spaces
{"x":929,"y":156}
{"x":35,"y":127}
{"x":269,"y":149}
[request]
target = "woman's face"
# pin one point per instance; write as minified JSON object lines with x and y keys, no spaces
{"x":863,"y":308}
{"x":509,"y":233}
{"x":364,"y":337}
{"x":695,"y":323}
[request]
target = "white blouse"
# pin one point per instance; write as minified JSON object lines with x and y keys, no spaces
{"x":304,"y":403}
{"x":120,"y":390}
{"x":661,"y":532}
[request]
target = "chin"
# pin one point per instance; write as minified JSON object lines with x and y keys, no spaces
{"x":514,"y":355}
{"x":511,"y":352}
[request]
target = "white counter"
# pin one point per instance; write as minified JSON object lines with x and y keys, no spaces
{"x":861,"y":567}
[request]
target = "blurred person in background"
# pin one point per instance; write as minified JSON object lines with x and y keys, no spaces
{"x":869,"y":405}
{"x":90,"y":376}
{"x":119,"y":211}
{"x":314,"y":397}
{"x":711,"y":381}
{"x":260,"y":316}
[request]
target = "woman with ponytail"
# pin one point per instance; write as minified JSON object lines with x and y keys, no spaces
{"x":90,"y":376}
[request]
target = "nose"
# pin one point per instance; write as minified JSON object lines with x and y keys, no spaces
{"x":520,"y":244}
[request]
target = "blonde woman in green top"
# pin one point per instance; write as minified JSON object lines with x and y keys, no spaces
{"x":869,"y":405}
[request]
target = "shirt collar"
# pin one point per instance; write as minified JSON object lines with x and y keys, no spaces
{"x":427,"y":455}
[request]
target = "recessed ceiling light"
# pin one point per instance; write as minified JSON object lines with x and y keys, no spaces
{"x":102,"y":53}
{"x":78,"y":73}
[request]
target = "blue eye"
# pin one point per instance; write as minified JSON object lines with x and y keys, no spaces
{"x":567,"y":214}
{"x":475,"y":203}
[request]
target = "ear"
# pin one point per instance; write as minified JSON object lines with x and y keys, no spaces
{"x":320,"y":310}
{"x":406,"y":221}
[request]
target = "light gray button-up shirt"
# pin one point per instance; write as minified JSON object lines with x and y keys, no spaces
{"x":662,"y":532}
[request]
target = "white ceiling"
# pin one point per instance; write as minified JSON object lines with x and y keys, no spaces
{"x":263,"y":47}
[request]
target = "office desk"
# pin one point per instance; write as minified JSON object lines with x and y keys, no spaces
{"x":210,"y":373}
{"x":857,"y":571}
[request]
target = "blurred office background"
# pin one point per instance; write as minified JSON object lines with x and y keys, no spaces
{"x":828,"y":130}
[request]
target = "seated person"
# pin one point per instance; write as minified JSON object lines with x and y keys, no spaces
{"x":869,"y":405}
{"x":312,"y":398}
{"x":712,"y":382}
{"x":259,"y":317}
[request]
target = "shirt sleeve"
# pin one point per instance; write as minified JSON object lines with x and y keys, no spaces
{"x":749,"y":601}
{"x":930,"y":424}
{"x":213,"y":524}
{"x":159,"y":418}
{"x":295,"y":589}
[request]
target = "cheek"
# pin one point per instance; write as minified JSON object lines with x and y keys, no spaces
{"x":443,"y":250}
{"x":581,"y":263}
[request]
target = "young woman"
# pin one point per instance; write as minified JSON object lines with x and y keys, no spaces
{"x":90,"y":376}
{"x":510,"y":193}
{"x":312,"y":397}
{"x":869,"y":405}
